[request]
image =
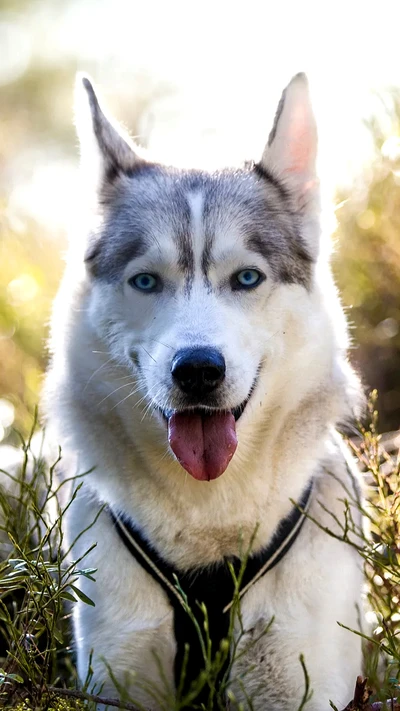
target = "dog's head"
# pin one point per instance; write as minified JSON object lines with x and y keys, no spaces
{"x":202,"y":283}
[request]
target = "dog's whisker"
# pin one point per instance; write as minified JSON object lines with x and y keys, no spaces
{"x":142,"y":399}
{"x":103,"y":365}
{"x":149,"y":354}
{"x":135,"y":390}
{"x":161,"y":343}
{"x":146,"y":395}
{"x":125,"y":385}
{"x":139,"y":386}
{"x":151,"y":405}
{"x":124,"y":377}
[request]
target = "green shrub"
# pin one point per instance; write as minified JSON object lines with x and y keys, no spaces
{"x":36,"y":582}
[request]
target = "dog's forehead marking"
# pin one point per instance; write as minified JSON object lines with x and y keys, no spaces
{"x":195,"y":200}
{"x":180,"y":233}
{"x":196,"y":204}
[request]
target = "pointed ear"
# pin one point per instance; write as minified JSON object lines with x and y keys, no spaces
{"x":105,"y":149}
{"x":291,"y":151}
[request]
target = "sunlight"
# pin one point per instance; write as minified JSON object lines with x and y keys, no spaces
{"x":214,"y":77}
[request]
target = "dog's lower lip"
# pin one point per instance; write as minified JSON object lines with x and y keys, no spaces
{"x":237,"y":412}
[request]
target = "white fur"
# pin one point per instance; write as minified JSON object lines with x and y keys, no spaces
{"x":196,"y":203}
{"x":286,"y":435}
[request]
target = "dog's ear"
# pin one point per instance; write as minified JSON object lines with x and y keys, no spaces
{"x":291,"y":151}
{"x":106,"y":151}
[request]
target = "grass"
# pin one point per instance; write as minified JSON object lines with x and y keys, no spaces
{"x":38,"y":587}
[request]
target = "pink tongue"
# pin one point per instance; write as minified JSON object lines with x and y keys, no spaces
{"x":203,"y":445}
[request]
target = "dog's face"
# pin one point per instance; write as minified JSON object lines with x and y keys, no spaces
{"x":189,"y":275}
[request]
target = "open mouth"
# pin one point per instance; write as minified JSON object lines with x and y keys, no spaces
{"x":204,"y":439}
{"x":237,"y":412}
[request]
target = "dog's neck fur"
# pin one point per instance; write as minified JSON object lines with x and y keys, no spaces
{"x":289,"y":435}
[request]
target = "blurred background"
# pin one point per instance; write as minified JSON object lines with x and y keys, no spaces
{"x":196,"y":81}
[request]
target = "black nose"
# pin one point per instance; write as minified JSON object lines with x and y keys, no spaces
{"x":198,"y":371}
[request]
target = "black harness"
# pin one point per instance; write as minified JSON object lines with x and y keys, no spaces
{"x":212,"y":585}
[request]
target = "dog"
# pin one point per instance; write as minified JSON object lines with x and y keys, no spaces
{"x":198,"y":374}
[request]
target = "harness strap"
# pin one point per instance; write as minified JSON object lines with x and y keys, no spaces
{"x":212,"y":585}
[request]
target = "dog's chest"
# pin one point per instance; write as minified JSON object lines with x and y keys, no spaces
{"x":192,"y":531}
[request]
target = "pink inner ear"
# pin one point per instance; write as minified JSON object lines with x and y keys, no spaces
{"x":301,"y":142}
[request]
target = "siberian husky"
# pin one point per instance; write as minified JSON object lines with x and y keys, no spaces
{"x":198,"y":374}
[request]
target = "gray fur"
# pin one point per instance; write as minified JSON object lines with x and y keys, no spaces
{"x":153,"y":199}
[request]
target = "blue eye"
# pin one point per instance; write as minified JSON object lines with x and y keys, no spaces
{"x":247,"y":279}
{"x":145,"y":282}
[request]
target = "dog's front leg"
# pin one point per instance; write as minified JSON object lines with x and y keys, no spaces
{"x":301,"y":603}
{"x":128,"y":635}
